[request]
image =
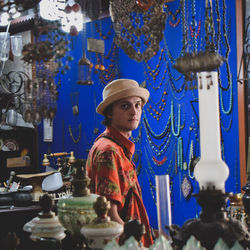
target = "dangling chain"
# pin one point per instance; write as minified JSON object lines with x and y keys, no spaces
{"x":79,"y":135}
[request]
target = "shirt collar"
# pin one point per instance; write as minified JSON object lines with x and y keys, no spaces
{"x":124,"y":141}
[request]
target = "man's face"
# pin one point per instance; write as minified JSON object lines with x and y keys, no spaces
{"x":126,"y":114}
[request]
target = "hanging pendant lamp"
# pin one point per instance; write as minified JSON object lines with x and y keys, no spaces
{"x":84,"y":70}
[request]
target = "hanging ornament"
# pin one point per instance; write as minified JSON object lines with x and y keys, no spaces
{"x":84,"y":70}
{"x":139,"y":27}
{"x":207,"y":60}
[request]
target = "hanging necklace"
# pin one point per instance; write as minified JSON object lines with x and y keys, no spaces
{"x":108,"y":34}
{"x":150,"y":130}
{"x":229,"y":110}
{"x":156,"y":112}
{"x":110,"y":71}
{"x":155,"y":160}
{"x":159,"y":150}
{"x":180,"y":153}
{"x":172,"y":120}
{"x":79,"y":134}
{"x":229,"y":125}
{"x":172,"y":83}
{"x":161,"y":81}
{"x":138,"y":137}
{"x":155,"y":72}
{"x":225,"y":37}
{"x":174,"y":21}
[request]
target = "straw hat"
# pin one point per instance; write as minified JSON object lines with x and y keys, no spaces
{"x":119,"y":89}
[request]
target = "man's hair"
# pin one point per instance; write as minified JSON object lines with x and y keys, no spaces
{"x":106,"y":113}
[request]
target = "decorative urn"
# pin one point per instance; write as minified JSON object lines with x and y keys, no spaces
{"x":76,"y":210}
{"x":101,"y":230}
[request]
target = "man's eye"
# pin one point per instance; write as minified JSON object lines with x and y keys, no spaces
{"x":124,"y":106}
{"x":138,"y":105}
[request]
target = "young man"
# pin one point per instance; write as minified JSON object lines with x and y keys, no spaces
{"x":109,"y":164}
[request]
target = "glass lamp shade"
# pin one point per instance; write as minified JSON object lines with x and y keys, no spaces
{"x":84,"y":71}
{"x":4,"y":46}
{"x":16,"y":45}
{"x":211,"y":171}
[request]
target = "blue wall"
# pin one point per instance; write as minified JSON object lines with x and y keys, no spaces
{"x":167,"y":85}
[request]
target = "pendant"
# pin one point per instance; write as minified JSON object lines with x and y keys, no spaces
{"x":186,"y":187}
{"x":75,"y":110}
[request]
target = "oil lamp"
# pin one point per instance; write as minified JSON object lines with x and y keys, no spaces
{"x":211,"y":172}
{"x":101,"y":229}
{"x":76,"y":210}
{"x":46,"y":225}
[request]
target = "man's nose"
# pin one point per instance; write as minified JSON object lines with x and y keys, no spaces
{"x":134,"y":110}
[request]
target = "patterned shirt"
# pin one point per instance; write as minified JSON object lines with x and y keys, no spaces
{"x":113,"y":173}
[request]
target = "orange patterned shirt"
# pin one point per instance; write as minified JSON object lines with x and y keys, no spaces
{"x":113,"y":173}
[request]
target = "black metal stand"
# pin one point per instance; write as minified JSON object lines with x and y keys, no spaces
{"x":212,"y":224}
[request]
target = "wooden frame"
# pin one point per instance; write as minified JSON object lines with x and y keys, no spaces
{"x":243,"y":140}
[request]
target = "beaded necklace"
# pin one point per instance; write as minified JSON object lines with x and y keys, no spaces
{"x":171,"y":58}
{"x":172,"y":82}
{"x":138,"y":137}
{"x":150,"y":130}
{"x":180,"y":153}
{"x":194,"y":30}
{"x":229,"y":125}
{"x":110,"y":72}
{"x":175,"y":20}
{"x":155,"y":72}
{"x":156,"y":161}
{"x":156,"y":112}
{"x":177,"y":133}
{"x":159,"y":150}
{"x":152,"y":187}
{"x":160,"y":81}
{"x":108,"y":34}
{"x":227,"y":46}
{"x":229,"y":110}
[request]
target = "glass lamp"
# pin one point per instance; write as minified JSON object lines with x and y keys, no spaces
{"x":211,"y":171}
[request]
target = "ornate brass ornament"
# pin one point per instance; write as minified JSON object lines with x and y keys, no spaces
{"x":139,"y":27}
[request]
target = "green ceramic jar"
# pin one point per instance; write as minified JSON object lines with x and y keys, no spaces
{"x":75,"y":212}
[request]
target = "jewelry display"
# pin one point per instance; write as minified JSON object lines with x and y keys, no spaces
{"x":79,"y":134}
{"x":138,"y":27}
